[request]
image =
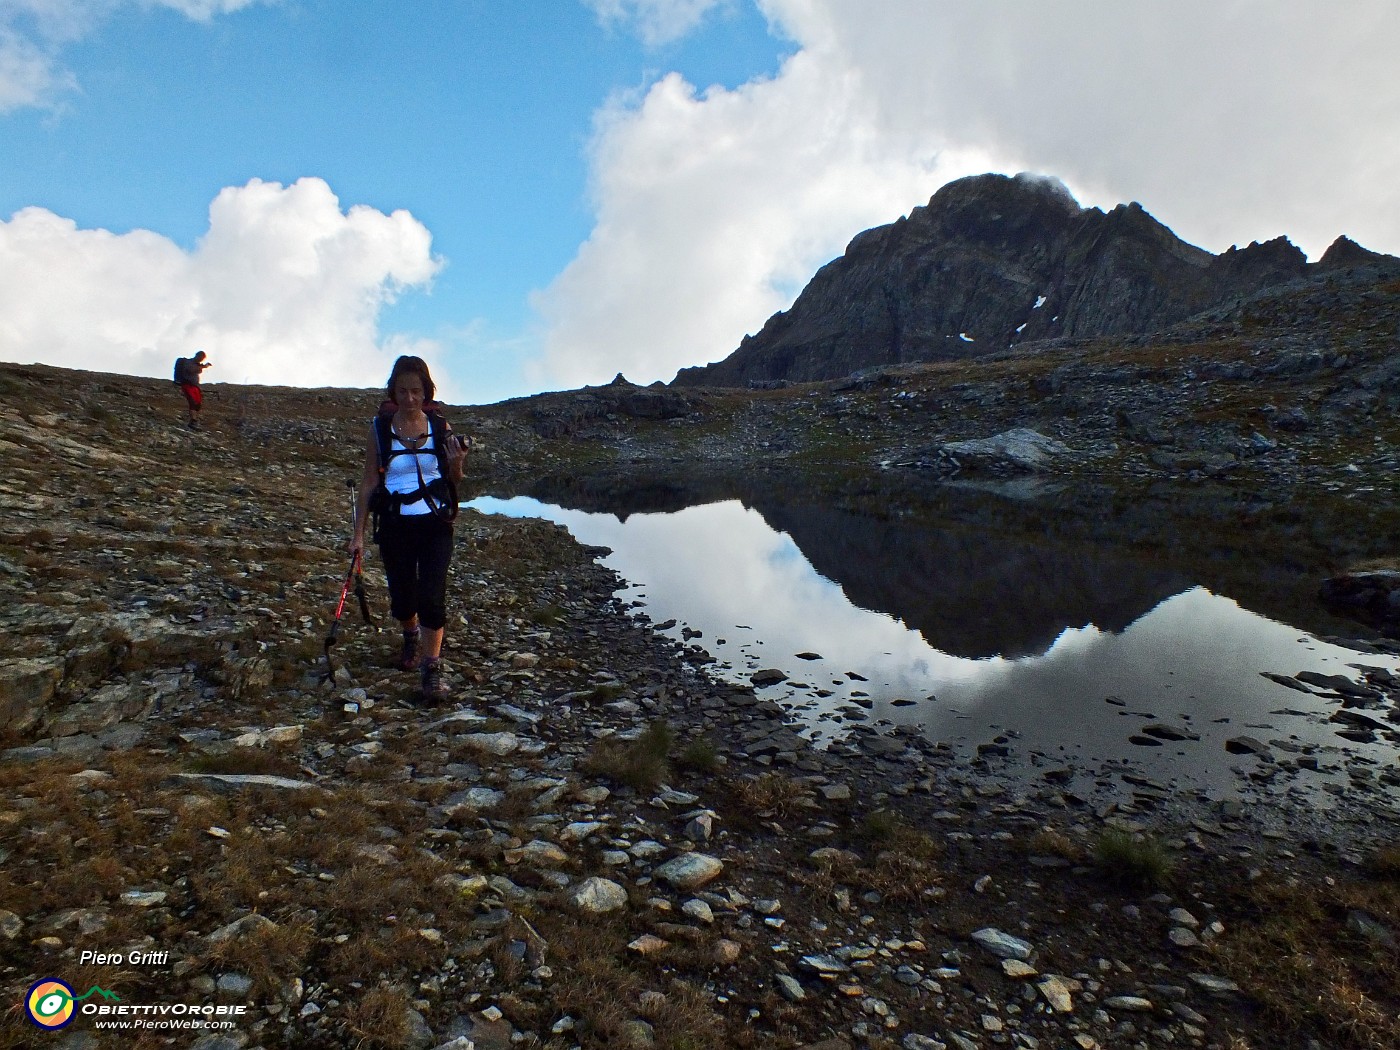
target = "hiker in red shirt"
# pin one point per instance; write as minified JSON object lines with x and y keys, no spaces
{"x":187,"y":370}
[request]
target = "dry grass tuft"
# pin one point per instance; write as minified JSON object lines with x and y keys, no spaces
{"x":1133,"y":859}
{"x":640,"y":764}
{"x":1297,"y":950}
{"x":268,"y":955}
{"x":1384,"y":864}
{"x":699,"y":756}
{"x":546,"y":615}
{"x":1049,"y":842}
{"x":380,"y":1018}
{"x":247,"y":761}
{"x":600,"y":983}
{"x":368,"y":890}
{"x":887,"y":829}
{"x":905,"y":869}
{"x":771,"y":794}
{"x":244,"y":873}
{"x":903,"y":876}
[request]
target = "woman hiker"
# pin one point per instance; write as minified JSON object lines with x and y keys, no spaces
{"x":413,"y":462}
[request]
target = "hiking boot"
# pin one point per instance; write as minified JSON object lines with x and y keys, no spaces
{"x":433,"y":689}
{"x":408,"y":656}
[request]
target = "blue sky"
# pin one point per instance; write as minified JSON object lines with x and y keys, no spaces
{"x":474,"y":116}
{"x":542,"y":193}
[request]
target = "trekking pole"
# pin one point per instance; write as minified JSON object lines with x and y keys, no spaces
{"x":358,"y":565}
{"x":355,"y":575}
{"x":339,"y":609}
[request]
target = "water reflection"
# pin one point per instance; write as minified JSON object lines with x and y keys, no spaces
{"x":1068,"y":650}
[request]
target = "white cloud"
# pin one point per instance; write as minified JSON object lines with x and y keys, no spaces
{"x":204,"y":10}
{"x":33,"y":34}
{"x":1229,"y":121}
{"x":285,"y":288}
{"x":28,"y":76}
{"x":657,"y":21}
{"x":712,"y":210}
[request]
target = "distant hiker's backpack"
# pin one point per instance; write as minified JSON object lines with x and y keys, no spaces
{"x":187,"y":370}
{"x":440,"y":494}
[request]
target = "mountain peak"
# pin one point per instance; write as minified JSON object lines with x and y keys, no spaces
{"x":994,"y":261}
{"x":1345,"y":252}
{"x":1023,"y":186}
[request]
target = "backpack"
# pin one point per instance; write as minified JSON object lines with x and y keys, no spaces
{"x":440,"y":494}
{"x":187,"y":370}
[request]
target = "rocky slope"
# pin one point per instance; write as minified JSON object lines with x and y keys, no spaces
{"x":595,"y":844}
{"x":993,"y":262}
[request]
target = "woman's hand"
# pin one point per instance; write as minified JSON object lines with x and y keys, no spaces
{"x":456,"y":453}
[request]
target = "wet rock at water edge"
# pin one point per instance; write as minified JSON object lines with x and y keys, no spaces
{"x":1247,"y":745}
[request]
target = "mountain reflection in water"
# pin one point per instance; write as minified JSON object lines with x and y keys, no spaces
{"x":1066,"y":649}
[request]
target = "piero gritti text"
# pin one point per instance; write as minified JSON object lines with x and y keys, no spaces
{"x":133,"y":958}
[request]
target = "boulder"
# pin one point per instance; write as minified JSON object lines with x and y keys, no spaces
{"x":100,"y":710}
{"x":1019,"y":450}
{"x":27,"y":687}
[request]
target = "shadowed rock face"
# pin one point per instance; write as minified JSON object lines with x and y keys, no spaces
{"x":994,"y":261}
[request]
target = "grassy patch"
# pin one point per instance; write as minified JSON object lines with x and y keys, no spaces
{"x":699,"y":756}
{"x":770,"y":795}
{"x":379,"y":1018}
{"x":887,"y":829}
{"x":1384,"y":864}
{"x":1296,"y":948}
{"x":640,"y":764}
{"x":880,"y":826}
{"x":599,"y":983}
{"x":905,"y":867}
{"x":546,"y":615}
{"x":265,"y":953}
{"x":603,"y":693}
{"x":1133,"y":859}
{"x":900,"y":875}
{"x":1051,"y":843}
{"x":247,"y":761}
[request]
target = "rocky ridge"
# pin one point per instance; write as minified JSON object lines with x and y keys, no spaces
{"x":993,"y":262}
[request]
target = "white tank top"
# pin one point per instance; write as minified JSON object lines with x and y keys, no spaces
{"x":400,"y":474}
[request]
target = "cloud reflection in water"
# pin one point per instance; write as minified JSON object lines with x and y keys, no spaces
{"x":1192,"y":662}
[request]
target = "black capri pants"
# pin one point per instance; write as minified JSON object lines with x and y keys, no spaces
{"x":417,"y":549}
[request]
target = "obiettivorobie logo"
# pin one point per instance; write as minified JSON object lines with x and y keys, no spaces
{"x":50,"y":1002}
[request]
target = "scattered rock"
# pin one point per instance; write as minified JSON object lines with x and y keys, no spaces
{"x":690,"y":870}
{"x":1002,"y":945}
